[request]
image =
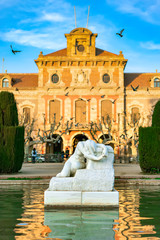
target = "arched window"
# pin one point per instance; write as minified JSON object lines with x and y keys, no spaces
{"x":26,"y":113}
{"x":135,"y":115}
{"x":5,"y":82}
{"x":106,"y":78}
{"x":54,"y":111}
{"x":106,"y":110}
{"x":80,"y":115}
{"x":55,"y":78}
{"x":156,"y":82}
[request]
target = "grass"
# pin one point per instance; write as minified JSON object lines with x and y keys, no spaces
{"x":13,"y":178}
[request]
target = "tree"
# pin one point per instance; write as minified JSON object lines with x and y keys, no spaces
{"x":156,"y":115}
{"x":44,"y":135}
{"x":11,"y":135}
{"x":149,"y":141}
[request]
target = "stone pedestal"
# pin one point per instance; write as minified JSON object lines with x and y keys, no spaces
{"x":79,"y":199}
{"x":89,"y":188}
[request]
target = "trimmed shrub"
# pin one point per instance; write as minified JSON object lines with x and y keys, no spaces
{"x":156,"y":115}
{"x":8,"y":110}
{"x":149,"y":149}
{"x":11,"y":135}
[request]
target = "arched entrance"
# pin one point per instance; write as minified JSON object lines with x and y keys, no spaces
{"x":76,"y":139}
{"x":54,"y":147}
{"x":102,"y":139}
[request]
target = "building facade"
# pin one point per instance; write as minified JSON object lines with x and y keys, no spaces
{"x":83,"y":93}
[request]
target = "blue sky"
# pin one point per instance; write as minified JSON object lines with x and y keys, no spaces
{"x":33,"y":26}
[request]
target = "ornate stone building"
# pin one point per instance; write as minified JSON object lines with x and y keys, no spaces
{"x":83,"y":84}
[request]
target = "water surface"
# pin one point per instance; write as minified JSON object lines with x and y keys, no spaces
{"x":22,"y":216}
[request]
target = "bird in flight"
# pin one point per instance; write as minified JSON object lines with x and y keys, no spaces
{"x":135,"y":89}
{"x":148,"y":89}
{"x":67,"y":94}
{"x":120,"y":33}
{"x":14,"y":51}
{"x":114,"y":101}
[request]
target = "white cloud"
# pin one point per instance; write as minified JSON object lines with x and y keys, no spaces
{"x":150,"y":45}
{"x":145,"y":9}
{"x":32,"y":38}
{"x":46,"y":17}
{"x":52,"y":17}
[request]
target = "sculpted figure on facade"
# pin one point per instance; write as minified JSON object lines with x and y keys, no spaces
{"x":89,"y":155}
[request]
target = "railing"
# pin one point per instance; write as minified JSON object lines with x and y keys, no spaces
{"x":55,"y":158}
{"x":125,"y":158}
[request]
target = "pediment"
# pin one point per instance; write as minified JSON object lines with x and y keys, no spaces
{"x":81,"y":31}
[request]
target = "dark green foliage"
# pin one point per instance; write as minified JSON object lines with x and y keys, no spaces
{"x":156,"y":115}
{"x":11,"y":135}
{"x":8,"y":110}
{"x":149,"y":144}
{"x":149,"y":149}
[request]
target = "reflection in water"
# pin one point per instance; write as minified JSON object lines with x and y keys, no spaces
{"x":33,"y":215}
{"x":76,"y":225}
{"x":23,"y":217}
{"x":10,"y":210}
{"x":130,"y":221}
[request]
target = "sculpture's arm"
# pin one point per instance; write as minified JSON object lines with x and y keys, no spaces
{"x":105,"y":150}
{"x":93,"y":157}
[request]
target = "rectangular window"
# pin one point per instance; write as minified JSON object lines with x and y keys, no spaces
{"x":26,"y":112}
{"x":5,"y":83}
{"x":156,"y":82}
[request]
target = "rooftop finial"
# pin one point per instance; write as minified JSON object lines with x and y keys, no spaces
{"x":41,"y":54}
{"x":121,"y":54}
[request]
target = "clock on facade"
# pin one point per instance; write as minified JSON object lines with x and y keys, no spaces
{"x":80,"y":48}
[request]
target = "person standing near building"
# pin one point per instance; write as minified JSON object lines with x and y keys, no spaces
{"x":62,"y":156}
{"x":34,"y":155}
{"x":67,"y":153}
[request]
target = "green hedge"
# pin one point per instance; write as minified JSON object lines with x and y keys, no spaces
{"x":8,"y":109}
{"x":149,"y":149}
{"x":156,"y":115}
{"x":11,"y":149}
{"x":11,"y":135}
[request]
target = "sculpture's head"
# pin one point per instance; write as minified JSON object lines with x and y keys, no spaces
{"x":91,"y":146}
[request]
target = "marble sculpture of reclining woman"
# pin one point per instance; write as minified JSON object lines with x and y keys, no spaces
{"x":96,"y":156}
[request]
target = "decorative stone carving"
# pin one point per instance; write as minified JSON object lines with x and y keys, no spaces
{"x":80,"y":77}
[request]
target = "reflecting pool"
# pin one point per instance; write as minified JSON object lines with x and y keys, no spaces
{"x":22,"y":216}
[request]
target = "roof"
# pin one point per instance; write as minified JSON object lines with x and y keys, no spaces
{"x":99,"y":52}
{"x":23,"y":79}
{"x":141,"y":79}
{"x":59,"y":53}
